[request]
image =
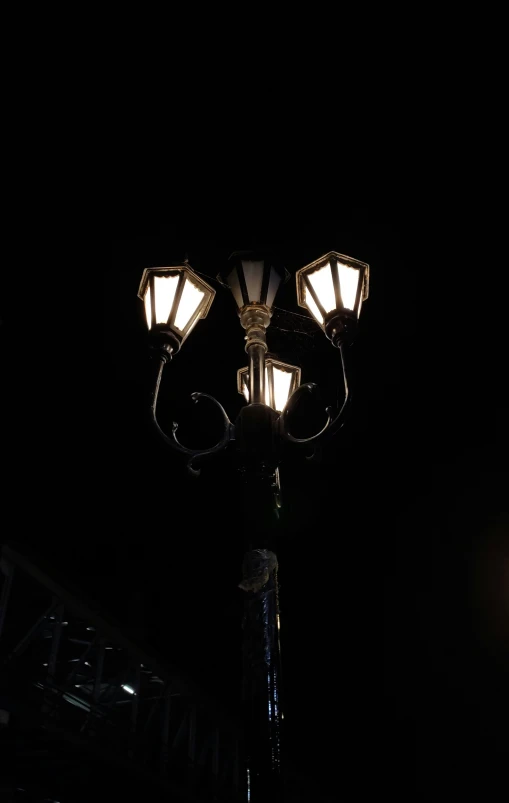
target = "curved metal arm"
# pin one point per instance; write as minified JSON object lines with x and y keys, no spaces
{"x":332,"y":426}
{"x":192,"y":454}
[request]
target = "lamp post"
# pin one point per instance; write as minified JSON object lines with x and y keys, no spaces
{"x":332,"y":289}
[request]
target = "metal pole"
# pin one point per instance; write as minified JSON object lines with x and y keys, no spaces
{"x":52,"y":663}
{"x":99,"y":665}
{"x":257,"y":373}
{"x":261,"y":687}
{"x":255,"y":319}
{"x":262,"y":677}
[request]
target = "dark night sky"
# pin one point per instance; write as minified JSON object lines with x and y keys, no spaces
{"x":394,"y":550}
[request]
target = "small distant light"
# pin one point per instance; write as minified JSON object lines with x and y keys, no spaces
{"x":65,"y":623}
{"x":90,"y":628}
{"x":282,"y":716}
{"x":87,"y":664}
{"x":128,"y":689}
{"x":45,"y":664}
{"x":108,"y":648}
{"x":78,"y":685}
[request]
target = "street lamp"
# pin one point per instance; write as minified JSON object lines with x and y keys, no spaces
{"x":333,"y":289}
{"x":175,"y":299}
{"x":281,"y":380}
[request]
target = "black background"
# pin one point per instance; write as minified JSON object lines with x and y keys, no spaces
{"x":394,"y":554}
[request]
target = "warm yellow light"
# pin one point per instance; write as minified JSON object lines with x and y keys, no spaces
{"x":310,"y":301}
{"x":148,"y":307}
{"x":190,"y":300}
{"x":285,"y":378}
{"x":348,"y":281}
{"x":282,"y":385}
{"x":165,"y":288}
{"x":321,"y":281}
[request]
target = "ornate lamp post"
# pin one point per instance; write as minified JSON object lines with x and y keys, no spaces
{"x":333,"y":289}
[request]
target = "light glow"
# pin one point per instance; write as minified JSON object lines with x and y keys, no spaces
{"x":284,"y":378}
{"x":348,"y":281}
{"x":282,"y":385}
{"x":313,"y":308}
{"x":128,"y":689}
{"x":321,"y":281}
{"x":245,"y":387}
{"x":148,"y":313}
{"x":190,"y":300}
{"x":165,"y":288}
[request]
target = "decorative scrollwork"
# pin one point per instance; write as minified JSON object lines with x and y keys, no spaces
{"x":193,"y":455}
{"x":331,"y":426}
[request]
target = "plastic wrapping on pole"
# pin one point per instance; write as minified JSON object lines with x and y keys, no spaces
{"x":262,"y":677}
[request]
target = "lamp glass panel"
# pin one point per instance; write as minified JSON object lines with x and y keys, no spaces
{"x":282,"y":385}
{"x":274,"y":282}
{"x":234,"y":285}
{"x":148,"y":307}
{"x":311,"y":305}
{"x":253,"y":274}
{"x":245,"y":386}
{"x":348,"y":281}
{"x":190,"y":300}
{"x":165,"y":288}
{"x":321,"y":281}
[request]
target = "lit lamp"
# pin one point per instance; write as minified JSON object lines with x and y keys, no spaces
{"x":253,"y":278}
{"x":333,"y":288}
{"x":175,"y":299}
{"x":281,"y":380}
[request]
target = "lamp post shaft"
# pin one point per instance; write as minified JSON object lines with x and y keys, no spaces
{"x":257,"y":373}
{"x":261,"y":685}
{"x":262,"y":678}
{"x":255,"y":319}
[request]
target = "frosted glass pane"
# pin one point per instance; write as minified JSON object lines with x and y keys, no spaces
{"x":253,"y":274}
{"x":233,"y":284}
{"x":190,"y":300}
{"x":321,"y":281}
{"x":312,"y":307}
{"x":165,"y":288}
{"x":348,"y":281}
{"x":148,"y":307}
{"x":267,"y":391}
{"x":282,"y":384}
{"x":274,"y":282}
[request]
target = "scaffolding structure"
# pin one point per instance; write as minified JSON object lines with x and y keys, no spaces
{"x":76,"y":692}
